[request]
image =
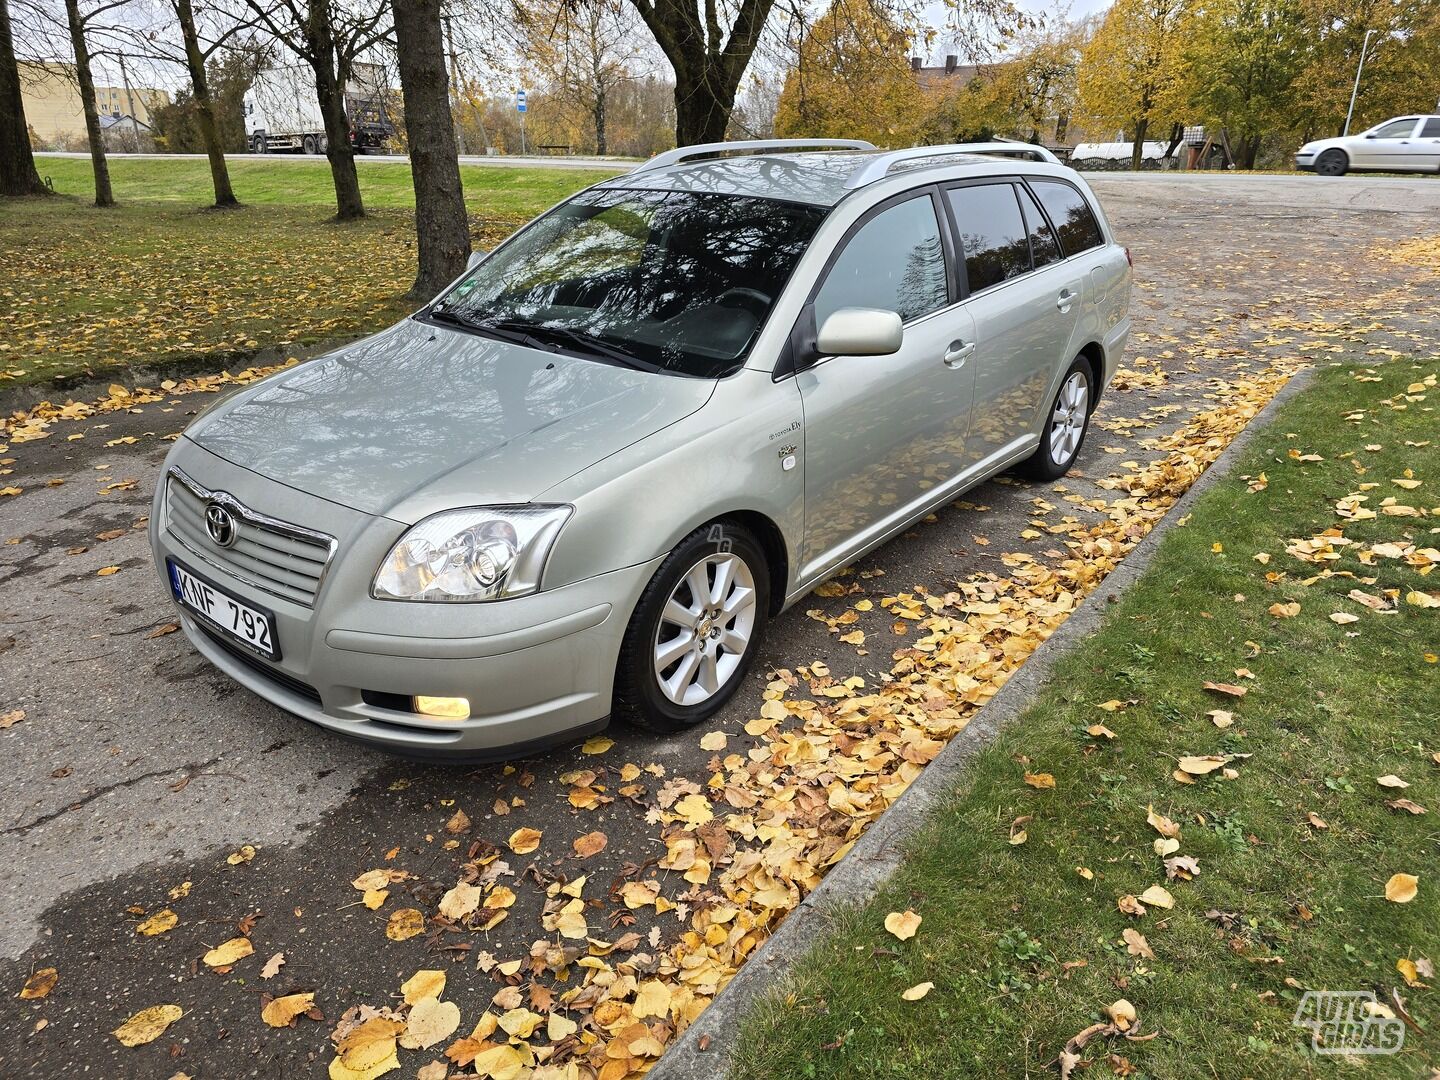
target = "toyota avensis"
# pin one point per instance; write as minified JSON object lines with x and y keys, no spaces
{"x":581,"y":481}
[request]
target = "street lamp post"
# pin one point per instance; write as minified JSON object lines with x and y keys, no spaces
{"x":1364,"y":48}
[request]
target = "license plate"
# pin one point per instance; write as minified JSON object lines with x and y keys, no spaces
{"x":245,"y":623}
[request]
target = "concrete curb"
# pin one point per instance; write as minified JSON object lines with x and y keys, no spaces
{"x":877,"y":854}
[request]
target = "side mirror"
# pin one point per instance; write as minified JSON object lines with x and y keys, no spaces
{"x":857,"y":331}
{"x":1372,"y":135}
{"x":477,"y":256}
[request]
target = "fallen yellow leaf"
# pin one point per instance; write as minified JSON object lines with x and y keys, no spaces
{"x":903,"y":924}
{"x":1402,"y":888}
{"x":147,"y":1025}
{"x":918,"y":991}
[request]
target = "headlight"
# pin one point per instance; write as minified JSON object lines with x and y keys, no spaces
{"x":481,"y":553}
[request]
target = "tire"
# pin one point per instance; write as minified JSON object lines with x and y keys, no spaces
{"x":1332,"y":163}
{"x":661,"y":681}
{"x":258,"y":145}
{"x":309,"y":145}
{"x":1066,"y":424}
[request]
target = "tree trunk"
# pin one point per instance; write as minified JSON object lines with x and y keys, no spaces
{"x":1249,"y":151}
{"x":600,"y":147}
{"x":103,"y":195}
{"x":707,"y":73}
{"x":1137,"y":151}
{"x":702,"y":110}
{"x":441,"y":228}
{"x":330,"y":93}
{"x":205,"y":107}
{"x":17,"y":162}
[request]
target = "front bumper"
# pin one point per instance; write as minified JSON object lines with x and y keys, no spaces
{"x":537,"y":670}
{"x":1305,"y":162}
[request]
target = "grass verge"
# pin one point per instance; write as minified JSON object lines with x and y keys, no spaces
{"x":1293,"y":853}
{"x":158,"y":280}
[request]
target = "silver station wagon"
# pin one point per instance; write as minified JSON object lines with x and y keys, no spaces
{"x":581,"y":481}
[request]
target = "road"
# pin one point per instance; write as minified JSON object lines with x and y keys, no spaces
{"x":138,"y":768}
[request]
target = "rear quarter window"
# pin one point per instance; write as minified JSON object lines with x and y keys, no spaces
{"x":1073,"y":218}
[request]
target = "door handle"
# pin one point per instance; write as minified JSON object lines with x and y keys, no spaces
{"x":958,"y":353}
{"x":1065,"y":299}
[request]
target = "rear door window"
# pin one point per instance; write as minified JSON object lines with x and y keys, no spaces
{"x":992,"y":233}
{"x":1071,"y":215}
{"x":1431,"y":130}
{"x":1044,"y":247}
{"x":895,"y":261}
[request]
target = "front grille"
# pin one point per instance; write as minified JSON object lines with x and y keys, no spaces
{"x":260,"y":667}
{"x":283,"y":559}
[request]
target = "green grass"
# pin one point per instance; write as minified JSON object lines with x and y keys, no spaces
{"x":301,"y":181}
{"x":161,"y":280}
{"x":1330,"y":709}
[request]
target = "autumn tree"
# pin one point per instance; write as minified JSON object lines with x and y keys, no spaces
{"x":83,"y":28}
{"x":441,"y":227}
{"x":852,"y":79}
{"x":1133,"y":73}
{"x":1039,"y":82}
{"x":1243,"y":56}
{"x":330,"y":36}
{"x":1402,"y":63}
{"x":585,"y":53}
{"x":18,"y":175}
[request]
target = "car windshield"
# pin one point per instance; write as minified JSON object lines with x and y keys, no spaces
{"x":663,"y":280}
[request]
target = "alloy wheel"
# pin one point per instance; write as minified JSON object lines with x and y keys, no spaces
{"x":1067,"y":422}
{"x":705,"y":629}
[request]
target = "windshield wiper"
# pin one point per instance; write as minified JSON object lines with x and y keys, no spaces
{"x":489,"y":329}
{"x":580,"y":342}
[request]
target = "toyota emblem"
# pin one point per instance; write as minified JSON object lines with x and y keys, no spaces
{"x":220,"y":524}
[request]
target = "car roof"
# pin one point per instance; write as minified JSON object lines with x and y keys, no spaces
{"x":816,"y":178}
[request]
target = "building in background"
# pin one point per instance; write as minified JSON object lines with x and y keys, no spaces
{"x":54,"y":112}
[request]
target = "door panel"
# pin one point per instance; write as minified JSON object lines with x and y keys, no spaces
{"x":1024,"y":318}
{"x":883,"y":432}
{"x":1391,"y":148}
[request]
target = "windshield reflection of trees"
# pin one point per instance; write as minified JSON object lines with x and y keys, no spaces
{"x":682,"y":280}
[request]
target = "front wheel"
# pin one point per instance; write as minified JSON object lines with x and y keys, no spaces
{"x":1332,"y":163}
{"x":695,"y":631}
{"x":1065,"y":427}
{"x":258,"y":145}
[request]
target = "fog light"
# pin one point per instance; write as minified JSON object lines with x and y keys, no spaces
{"x":446,"y":708}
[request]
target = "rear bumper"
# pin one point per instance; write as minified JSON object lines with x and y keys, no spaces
{"x":537,"y":670}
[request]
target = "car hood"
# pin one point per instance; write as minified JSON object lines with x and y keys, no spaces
{"x":423,"y":418}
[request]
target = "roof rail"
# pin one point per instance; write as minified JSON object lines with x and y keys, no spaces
{"x":750,"y":146}
{"x":878,"y":167}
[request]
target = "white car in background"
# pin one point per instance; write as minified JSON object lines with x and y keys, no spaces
{"x":1404,"y":144}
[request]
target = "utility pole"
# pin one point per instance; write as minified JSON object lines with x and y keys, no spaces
{"x":1353,"y":93}
{"x":130,"y":107}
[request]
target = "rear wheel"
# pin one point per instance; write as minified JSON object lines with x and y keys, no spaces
{"x":309,"y":144}
{"x":695,"y":631}
{"x":1332,"y":163}
{"x":1066,"y":425}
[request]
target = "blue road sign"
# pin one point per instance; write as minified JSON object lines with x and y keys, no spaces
{"x":519,"y":100}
